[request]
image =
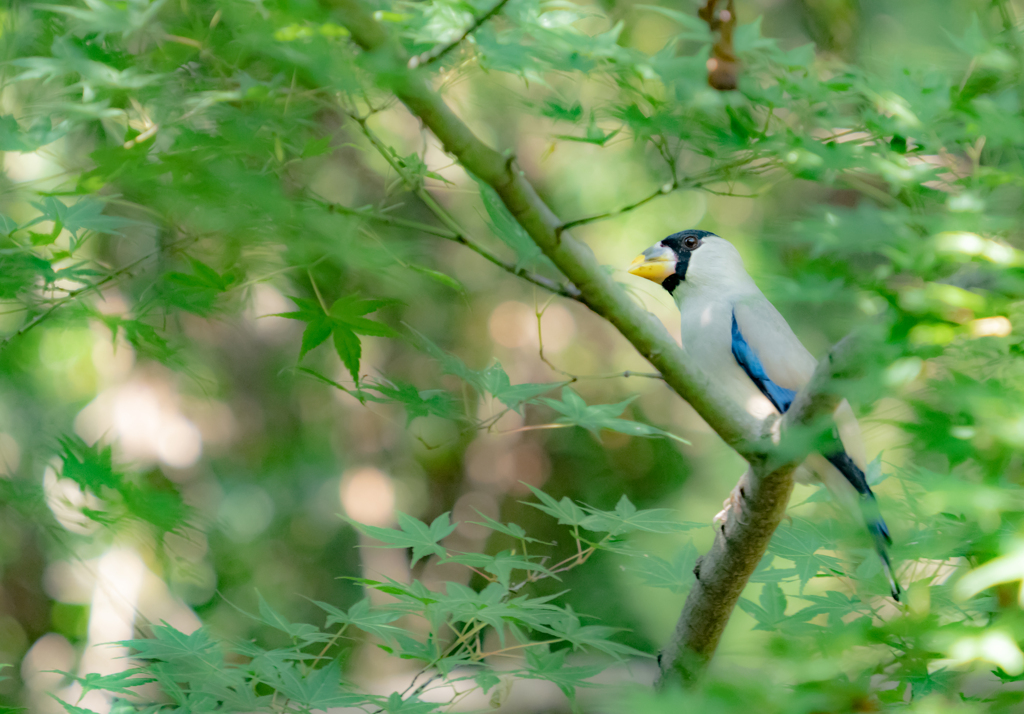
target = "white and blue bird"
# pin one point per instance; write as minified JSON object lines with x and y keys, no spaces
{"x":736,"y":337}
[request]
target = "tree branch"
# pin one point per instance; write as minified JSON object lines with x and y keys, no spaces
{"x":387,"y":219}
{"x":664,"y":190}
{"x":455,"y":231}
{"x":764,"y":490}
{"x":422,"y":60}
{"x":723,"y":66}
{"x":85,"y":289}
{"x":576,"y":261}
{"x":568,"y":291}
{"x":744,"y":537}
{"x":698,"y":181}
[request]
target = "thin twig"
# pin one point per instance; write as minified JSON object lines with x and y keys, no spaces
{"x":319,"y":297}
{"x":46,"y":314}
{"x":457,"y":234}
{"x":539,"y":312}
{"x":388,"y":220}
{"x":698,"y":181}
{"x":664,"y":190}
{"x":437,"y":53}
{"x":466,"y":632}
{"x":863,"y":186}
{"x":573,"y":378}
{"x":517,"y":647}
{"x":330,"y":643}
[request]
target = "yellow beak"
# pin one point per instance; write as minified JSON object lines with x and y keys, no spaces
{"x":656,"y":263}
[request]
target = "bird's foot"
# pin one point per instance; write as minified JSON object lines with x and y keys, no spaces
{"x":735,"y":500}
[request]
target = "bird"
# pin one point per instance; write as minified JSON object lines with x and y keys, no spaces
{"x":736,"y":336}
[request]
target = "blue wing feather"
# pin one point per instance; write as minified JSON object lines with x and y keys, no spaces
{"x":782,"y":398}
{"x":748,"y":360}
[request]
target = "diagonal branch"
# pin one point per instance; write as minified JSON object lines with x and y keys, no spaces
{"x":576,"y":261}
{"x":726,"y":569}
{"x":568,"y":291}
{"x":425,"y":58}
{"x":764,"y":490}
{"x":385,"y":218}
{"x":454,"y":230}
{"x":697,"y":181}
{"x":663,"y":191}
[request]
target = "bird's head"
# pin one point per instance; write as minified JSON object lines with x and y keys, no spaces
{"x":693,"y":258}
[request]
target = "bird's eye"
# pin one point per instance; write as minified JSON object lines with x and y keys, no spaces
{"x":690,"y":242}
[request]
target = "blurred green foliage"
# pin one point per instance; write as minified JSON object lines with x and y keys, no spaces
{"x":251,"y":315}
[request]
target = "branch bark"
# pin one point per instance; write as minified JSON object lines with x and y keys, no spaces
{"x":723,"y":66}
{"x":764,"y":490}
{"x":576,"y":261}
{"x":742,"y":541}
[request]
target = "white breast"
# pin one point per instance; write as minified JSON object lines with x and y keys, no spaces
{"x":706,"y":329}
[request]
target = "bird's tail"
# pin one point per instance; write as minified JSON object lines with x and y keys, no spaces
{"x":882,"y":540}
{"x":872,"y":516}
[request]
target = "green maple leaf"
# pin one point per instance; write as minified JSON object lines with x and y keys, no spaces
{"x":173,"y":646}
{"x":566,"y":511}
{"x":374,"y":622}
{"x":771,"y":611}
{"x":118,"y":683}
{"x":298,"y":630}
{"x":423,"y":539}
{"x":344,"y":321}
{"x":417,"y":402}
{"x":594,"y":417}
{"x":675,"y":575}
{"x":90,"y":467}
{"x":318,"y":327}
{"x":626,"y":518}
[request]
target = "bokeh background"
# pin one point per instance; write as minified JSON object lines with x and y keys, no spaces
{"x":234,"y":467}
